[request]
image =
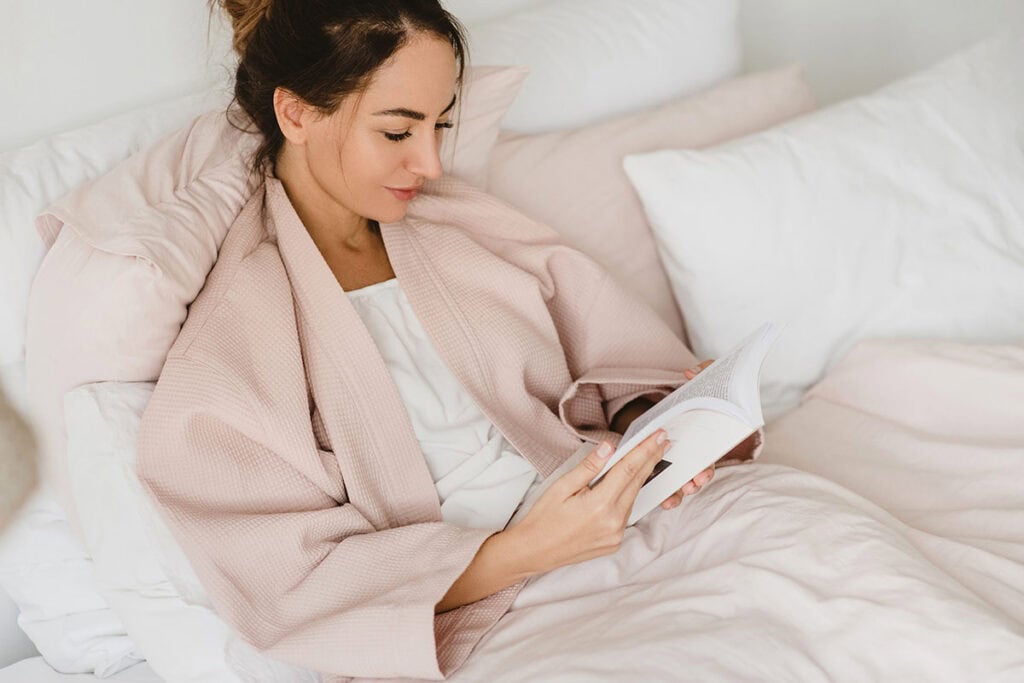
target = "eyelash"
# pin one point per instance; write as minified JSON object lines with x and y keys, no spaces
{"x":398,"y":137}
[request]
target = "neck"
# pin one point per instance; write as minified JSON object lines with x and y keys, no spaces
{"x":332,"y":226}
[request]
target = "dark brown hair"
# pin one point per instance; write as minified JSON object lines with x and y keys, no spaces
{"x":321,"y":51}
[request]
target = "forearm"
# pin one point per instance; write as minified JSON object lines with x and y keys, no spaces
{"x":498,"y":564}
{"x":501,"y":562}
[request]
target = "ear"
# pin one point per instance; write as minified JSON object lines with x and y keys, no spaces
{"x":293,"y":116}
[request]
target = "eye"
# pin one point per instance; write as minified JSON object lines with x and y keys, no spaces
{"x":398,"y":137}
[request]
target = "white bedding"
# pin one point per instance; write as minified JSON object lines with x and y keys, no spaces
{"x":879,"y":537}
{"x":907,"y":565}
{"x":36,"y":670}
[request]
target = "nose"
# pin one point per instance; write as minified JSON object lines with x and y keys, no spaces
{"x":425,"y":159}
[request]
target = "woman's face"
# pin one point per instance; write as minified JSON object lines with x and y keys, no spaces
{"x":387,"y":138}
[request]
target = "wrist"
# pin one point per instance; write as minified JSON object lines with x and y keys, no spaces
{"x":513,"y":549}
{"x":495,"y":567}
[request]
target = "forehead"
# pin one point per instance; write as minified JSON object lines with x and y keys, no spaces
{"x":420,"y":76}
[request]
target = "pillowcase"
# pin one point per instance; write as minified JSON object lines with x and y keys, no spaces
{"x":487,"y":94}
{"x":140,"y":568}
{"x":592,"y":60}
{"x":573,"y":180}
{"x":897,"y":214}
{"x":112,"y":292}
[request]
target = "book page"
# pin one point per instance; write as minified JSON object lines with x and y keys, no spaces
{"x":713,"y":382}
{"x":728,"y":386}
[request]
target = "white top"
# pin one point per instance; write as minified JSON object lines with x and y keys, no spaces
{"x":480,"y":478}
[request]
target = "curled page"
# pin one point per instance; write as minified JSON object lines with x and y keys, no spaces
{"x":705,"y":418}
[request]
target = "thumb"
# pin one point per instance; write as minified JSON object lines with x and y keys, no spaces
{"x":588,"y":468}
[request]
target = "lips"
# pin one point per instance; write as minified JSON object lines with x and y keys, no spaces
{"x":404,"y":194}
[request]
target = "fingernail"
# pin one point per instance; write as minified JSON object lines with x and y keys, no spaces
{"x":605,"y":449}
{"x":662,"y":436}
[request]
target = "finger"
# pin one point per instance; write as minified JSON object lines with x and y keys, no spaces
{"x":690,"y":373}
{"x":579,"y":477}
{"x":673,"y":500}
{"x":633,"y":486}
{"x":688,"y":488}
{"x":637,"y":464}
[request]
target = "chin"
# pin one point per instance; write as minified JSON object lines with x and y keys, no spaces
{"x":391,"y":214}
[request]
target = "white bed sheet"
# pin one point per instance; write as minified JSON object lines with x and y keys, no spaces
{"x":36,"y":670}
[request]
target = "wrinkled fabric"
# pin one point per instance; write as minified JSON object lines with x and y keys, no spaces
{"x":278,"y":449}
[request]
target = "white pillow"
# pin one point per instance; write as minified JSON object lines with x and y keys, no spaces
{"x":141,"y":570}
{"x":591,"y":60}
{"x":45,"y":570}
{"x":897,"y":214}
{"x":43,"y":565}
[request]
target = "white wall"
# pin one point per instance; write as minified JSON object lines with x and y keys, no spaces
{"x":67,"y":63}
{"x":853,"y":46}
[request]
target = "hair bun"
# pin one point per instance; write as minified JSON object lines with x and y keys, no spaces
{"x":245,"y":15}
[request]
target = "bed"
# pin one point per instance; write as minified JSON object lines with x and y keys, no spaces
{"x":879,"y":535}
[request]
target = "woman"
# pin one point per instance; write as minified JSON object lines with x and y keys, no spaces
{"x":359,"y":400}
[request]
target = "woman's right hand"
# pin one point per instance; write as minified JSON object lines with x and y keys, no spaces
{"x":572,"y":522}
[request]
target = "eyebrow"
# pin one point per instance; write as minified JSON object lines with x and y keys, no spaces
{"x":410,"y":114}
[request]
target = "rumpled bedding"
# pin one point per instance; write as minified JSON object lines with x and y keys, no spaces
{"x":880,"y":536}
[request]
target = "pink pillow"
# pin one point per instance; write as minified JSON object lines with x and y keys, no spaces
{"x":488,"y":93}
{"x":573,"y":180}
{"x":129,"y":251}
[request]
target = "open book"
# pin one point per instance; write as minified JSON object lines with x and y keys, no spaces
{"x":705,"y":418}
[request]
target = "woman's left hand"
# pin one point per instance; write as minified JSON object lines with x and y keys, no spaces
{"x":705,"y":476}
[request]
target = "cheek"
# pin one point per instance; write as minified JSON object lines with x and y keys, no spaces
{"x":370,"y":167}
{"x":370,"y":162}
